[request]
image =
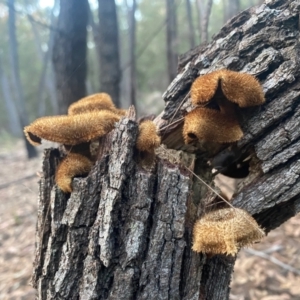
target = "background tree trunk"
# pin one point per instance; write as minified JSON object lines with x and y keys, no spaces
{"x":125,"y":231}
{"x":14,"y":61}
{"x":225,"y":11}
{"x":191,"y":24}
{"x":12,"y":113}
{"x":204,"y":11}
{"x":132,"y":45}
{"x":93,"y":86}
{"x":110,"y":72}
{"x":252,"y":3}
{"x":47,"y":76}
{"x":233,"y":7}
{"x":172,"y":55}
{"x":70,"y":66}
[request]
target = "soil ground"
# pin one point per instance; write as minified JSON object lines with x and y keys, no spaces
{"x":255,"y":278}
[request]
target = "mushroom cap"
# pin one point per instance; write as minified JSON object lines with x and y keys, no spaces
{"x":71,"y":166}
{"x":225,"y":231}
{"x":71,"y":130}
{"x":211,"y":125}
{"x":100,"y":101}
{"x":240,"y":88}
{"x":148,"y":138}
{"x":204,"y":88}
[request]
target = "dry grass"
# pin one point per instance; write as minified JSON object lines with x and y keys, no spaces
{"x":254,"y":278}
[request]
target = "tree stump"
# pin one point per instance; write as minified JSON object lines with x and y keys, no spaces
{"x":125,"y":232}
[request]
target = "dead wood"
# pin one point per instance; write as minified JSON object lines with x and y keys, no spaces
{"x":125,"y":231}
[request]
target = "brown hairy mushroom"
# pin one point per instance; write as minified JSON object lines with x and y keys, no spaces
{"x":74,"y":164}
{"x":148,"y":138}
{"x":210,"y":125}
{"x":219,"y":94}
{"x":100,"y":101}
{"x":240,"y":88}
{"x":71,"y":130}
{"x":225,"y":231}
{"x":204,"y":88}
{"x":88,"y":119}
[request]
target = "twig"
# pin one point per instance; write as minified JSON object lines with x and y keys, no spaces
{"x":272,"y":249}
{"x":22,"y":13}
{"x":274,"y":260}
{"x":5,"y":185}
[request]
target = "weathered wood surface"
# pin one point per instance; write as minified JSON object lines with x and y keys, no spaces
{"x":121,"y":234}
{"x":263,"y":41}
{"x":125,"y":231}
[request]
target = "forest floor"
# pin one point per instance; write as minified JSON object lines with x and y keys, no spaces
{"x":273,"y":277}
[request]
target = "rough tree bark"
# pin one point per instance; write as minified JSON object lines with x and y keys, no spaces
{"x":69,"y":52}
{"x":125,"y":231}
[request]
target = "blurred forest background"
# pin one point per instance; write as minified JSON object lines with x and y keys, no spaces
{"x":53,"y":52}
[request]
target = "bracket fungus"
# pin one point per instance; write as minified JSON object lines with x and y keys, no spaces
{"x":225,"y":231}
{"x":217,"y":96}
{"x":74,"y":164}
{"x":88,"y":119}
{"x":147,"y":139}
{"x":100,"y":101}
{"x":71,"y":130}
{"x":210,"y":125}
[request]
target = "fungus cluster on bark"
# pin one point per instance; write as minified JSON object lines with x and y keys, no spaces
{"x":100,"y":101}
{"x":124,"y":232}
{"x":218,"y":94}
{"x":88,"y":119}
{"x":225,"y":231}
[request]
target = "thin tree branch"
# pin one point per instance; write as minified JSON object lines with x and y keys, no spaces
{"x":274,"y":260}
{"x":17,"y":181}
